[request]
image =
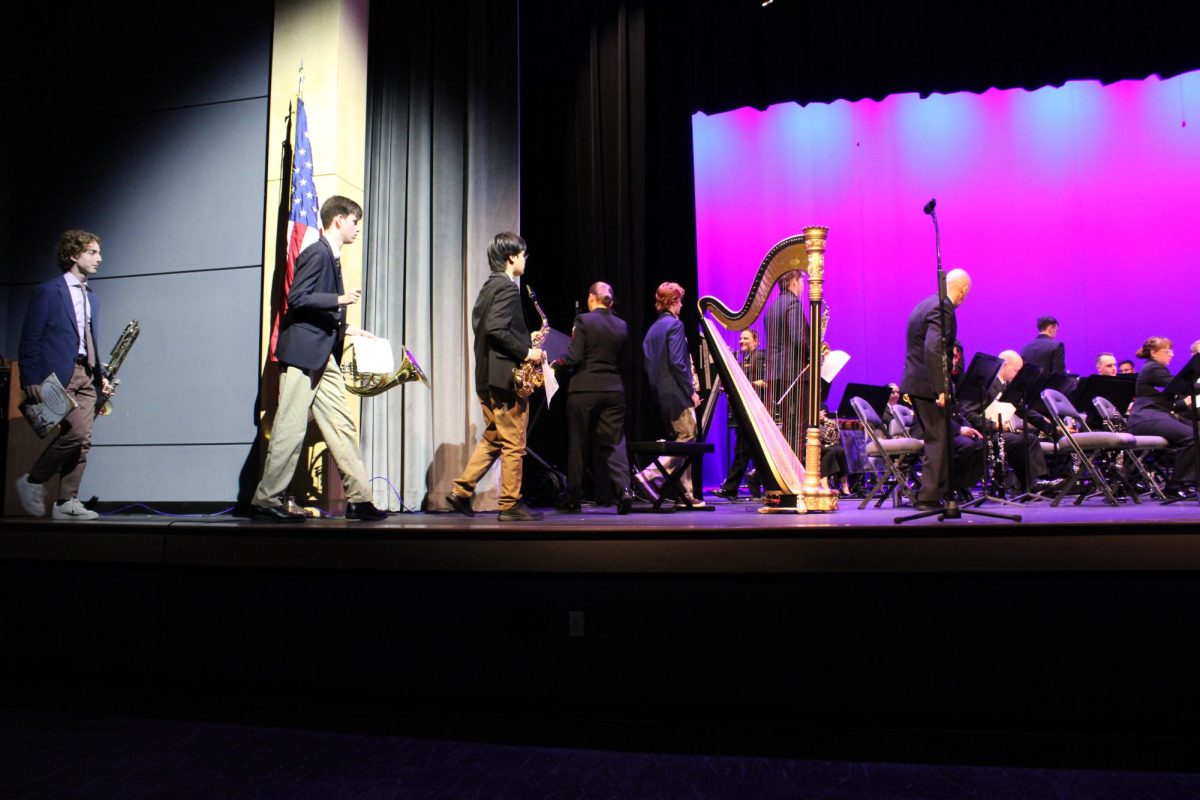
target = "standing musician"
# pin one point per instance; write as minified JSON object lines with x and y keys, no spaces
{"x":1153,"y":413}
{"x":1046,"y":351}
{"x":310,"y":353}
{"x":59,"y":337}
{"x":502,"y":343}
{"x":754,"y":363}
{"x":596,"y":397}
{"x":787,"y":334}
{"x":672,"y":383}
{"x":924,"y":380}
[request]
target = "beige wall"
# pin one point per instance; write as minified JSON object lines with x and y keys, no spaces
{"x":329,"y":38}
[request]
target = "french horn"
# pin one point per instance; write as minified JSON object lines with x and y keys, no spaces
{"x":369,"y":384}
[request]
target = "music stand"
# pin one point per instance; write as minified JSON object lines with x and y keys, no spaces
{"x":1116,"y":389}
{"x":973,"y":386}
{"x":876,"y":397}
{"x":1187,"y":383}
{"x":1026,"y":385}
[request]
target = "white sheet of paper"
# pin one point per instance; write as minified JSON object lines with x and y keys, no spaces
{"x":832,"y":364}
{"x":373,"y":355}
{"x":551,"y":381}
{"x":999,"y":409}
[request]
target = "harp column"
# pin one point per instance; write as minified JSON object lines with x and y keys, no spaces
{"x":815,"y":498}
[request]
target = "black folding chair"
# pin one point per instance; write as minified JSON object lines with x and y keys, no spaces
{"x":895,"y":453}
{"x":1085,"y":444}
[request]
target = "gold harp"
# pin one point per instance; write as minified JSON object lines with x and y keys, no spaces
{"x":369,"y":384}
{"x":793,"y":478}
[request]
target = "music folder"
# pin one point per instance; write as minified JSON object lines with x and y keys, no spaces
{"x":55,"y":405}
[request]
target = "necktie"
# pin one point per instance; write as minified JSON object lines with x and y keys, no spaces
{"x":88,"y":345}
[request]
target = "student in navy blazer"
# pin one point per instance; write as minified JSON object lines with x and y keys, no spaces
{"x":59,"y":337}
{"x":310,"y":353}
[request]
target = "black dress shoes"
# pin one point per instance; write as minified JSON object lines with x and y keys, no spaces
{"x":728,"y":494}
{"x":460,"y":504}
{"x":569,"y":507}
{"x":625,"y":501}
{"x":274,"y":514}
{"x":519,"y":513}
{"x":367,"y":512}
{"x":929,"y":505}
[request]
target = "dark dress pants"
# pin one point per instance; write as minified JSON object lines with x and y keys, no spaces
{"x":598,"y":418}
{"x":1153,"y":422}
{"x":741,"y":459}
{"x":933,"y":425}
{"x":1015,"y":450}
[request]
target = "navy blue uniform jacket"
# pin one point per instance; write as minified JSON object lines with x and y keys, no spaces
{"x":923,"y":349}
{"x":1047,"y":353}
{"x":595,"y":351}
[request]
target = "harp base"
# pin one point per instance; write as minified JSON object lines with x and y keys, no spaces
{"x":779,"y":503}
{"x":819,"y":500}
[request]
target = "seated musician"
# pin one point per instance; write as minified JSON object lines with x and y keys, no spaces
{"x":1156,"y":414}
{"x":888,"y":418}
{"x":754,"y":363}
{"x":1019,"y":449}
{"x":1106,"y":364}
{"x":835,"y":471}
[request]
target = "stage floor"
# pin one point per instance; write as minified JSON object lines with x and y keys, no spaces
{"x":731,"y":538}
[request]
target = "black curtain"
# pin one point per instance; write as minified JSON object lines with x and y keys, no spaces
{"x":606,"y":166}
{"x":746,"y":54}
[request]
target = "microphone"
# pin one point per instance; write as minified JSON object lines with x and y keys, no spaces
{"x":930,"y":206}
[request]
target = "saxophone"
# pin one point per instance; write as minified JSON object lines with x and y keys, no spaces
{"x":528,"y":377}
{"x":115,"y":359}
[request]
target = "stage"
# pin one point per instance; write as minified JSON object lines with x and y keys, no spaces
{"x":1073,"y":619}
{"x":731,"y":538}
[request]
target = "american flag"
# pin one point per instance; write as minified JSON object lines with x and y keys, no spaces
{"x":303,"y":227}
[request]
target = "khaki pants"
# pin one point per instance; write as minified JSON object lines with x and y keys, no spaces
{"x":324,"y":393}
{"x":683,"y":429}
{"x":67,"y":455}
{"x":505,"y":417}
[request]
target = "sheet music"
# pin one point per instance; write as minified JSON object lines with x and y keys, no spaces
{"x":551,"y":381}
{"x":373,"y":355}
{"x":832,"y":364}
{"x":1002,"y":410}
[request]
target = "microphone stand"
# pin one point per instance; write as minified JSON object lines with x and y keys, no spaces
{"x":950,"y":509}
